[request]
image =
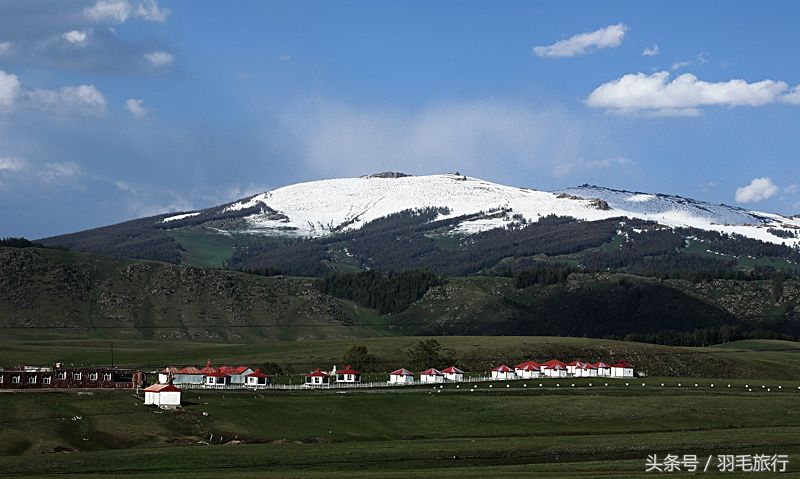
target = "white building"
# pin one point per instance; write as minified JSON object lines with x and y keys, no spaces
{"x":503,"y":372}
{"x":165,"y":396}
{"x":318,"y":378}
{"x":573,"y":368}
{"x":401,"y":376}
{"x":453,"y":374}
{"x":348,"y":375}
{"x":528,"y":369}
{"x":431,"y":375}
{"x":587,"y":371}
{"x":189,"y":375}
{"x":555,"y":371}
{"x":621,"y":370}
{"x":603,"y":369}
{"x":257,"y":379}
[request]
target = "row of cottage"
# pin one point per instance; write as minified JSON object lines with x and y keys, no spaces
{"x":167,"y":395}
{"x":226,"y":377}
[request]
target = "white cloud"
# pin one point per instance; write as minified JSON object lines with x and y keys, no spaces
{"x":792,"y":189}
{"x":482,"y":138}
{"x":651,"y":51}
{"x":136,"y":107}
{"x":10,"y":88}
{"x":793,"y":97}
{"x":52,"y":172}
{"x":608,"y":37}
{"x":76,"y":37}
{"x":11,"y":164}
{"x":159,"y":58}
{"x":5,"y":48}
{"x":115,"y":10}
{"x":120,"y":11}
{"x":683,"y":96}
{"x":23,"y":170}
{"x":151,"y":12}
{"x":700,"y":59}
{"x":81,"y":99}
{"x":759,"y":189}
{"x":679,"y":65}
{"x":284,"y":57}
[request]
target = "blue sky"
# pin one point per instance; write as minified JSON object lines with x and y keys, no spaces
{"x":117,"y":109}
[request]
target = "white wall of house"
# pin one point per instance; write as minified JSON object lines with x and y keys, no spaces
{"x":165,"y":399}
{"x":621,"y":372}
{"x":503,"y":375}
{"x":400,"y":379}
{"x":526,"y":374}
{"x":454,"y":376}
{"x":430,"y":378}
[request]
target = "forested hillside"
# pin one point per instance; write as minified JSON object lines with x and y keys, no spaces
{"x":52,"y":293}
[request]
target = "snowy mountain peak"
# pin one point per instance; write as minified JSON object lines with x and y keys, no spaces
{"x":323,"y":207}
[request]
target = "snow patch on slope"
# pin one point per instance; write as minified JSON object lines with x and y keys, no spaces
{"x":323,"y":207}
{"x":180,"y":217}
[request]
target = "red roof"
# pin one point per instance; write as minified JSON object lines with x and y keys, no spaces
{"x":170,"y":369}
{"x":452,"y":370}
{"x":402,"y":372}
{"x":502,"y":369}
{"x":162,"y":388}
{"x":588,"y":366}
{"x":233,"y":370}
{"x":622,"y":364}
{"x":576,"y":364}
{"x":348,"y":370}
{"x":528,"y":366}
{"x":258,"y":374}
{"x":216,"y":374}
{"x":189,"y":370}
{"x":431,"y":372}
{"x":601,"y":364}
{"x":554,"y":362}
{"x":317,"y":373}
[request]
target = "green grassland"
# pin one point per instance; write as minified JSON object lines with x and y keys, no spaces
{"x":415,"y":432}
{"x":744,"y":400}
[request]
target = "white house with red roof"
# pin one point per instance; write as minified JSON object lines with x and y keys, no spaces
{"x":181,"y":376}
{"x":431,"y":375}
{"x":317,"y":378}
{"x":622,"y":369}
{"x":528,"y":370}
{"x":587,"y":371}
{"x":503,"y":372}
{"x":603,"y":369}
{"x":554,"y":369}
{"x":165,"y":396}
{"x":215,"y":380}
{"x":573,"y":367}
{"x":401,"y":376}
{"x":453,"y":374}
{"x":235,"y":374}
{"x":258,"y":379}
{"x":348,"y":375}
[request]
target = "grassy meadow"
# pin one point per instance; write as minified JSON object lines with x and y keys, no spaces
{"x":551,"y":427}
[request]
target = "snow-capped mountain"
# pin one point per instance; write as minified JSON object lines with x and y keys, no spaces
{"x":319,"y":208}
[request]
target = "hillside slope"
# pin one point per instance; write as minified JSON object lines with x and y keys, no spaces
{"x":49,"y":293}
{"x":88,"y":295}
